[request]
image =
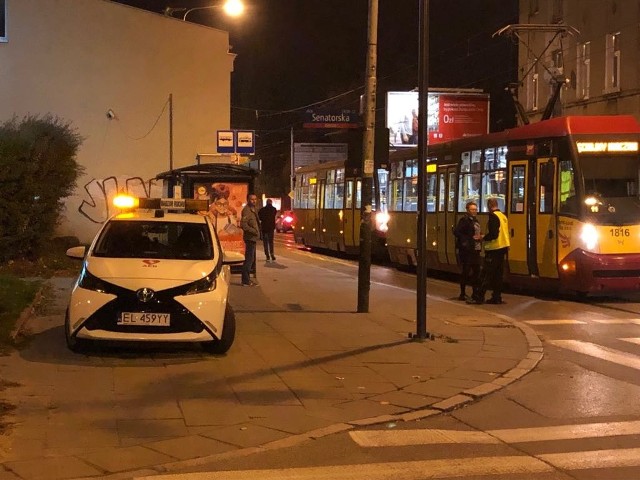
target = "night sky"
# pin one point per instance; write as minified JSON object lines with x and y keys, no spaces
{"x":296,"y":53}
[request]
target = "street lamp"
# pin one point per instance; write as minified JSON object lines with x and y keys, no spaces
{"x":233,"y":8}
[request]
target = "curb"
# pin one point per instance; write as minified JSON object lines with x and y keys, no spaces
{"x":27,"y":313}
{"x":534,"y":356}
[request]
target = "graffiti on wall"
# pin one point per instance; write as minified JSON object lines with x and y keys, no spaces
{"x":97,"y":206}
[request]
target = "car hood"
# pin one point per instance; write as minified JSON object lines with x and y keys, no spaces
{"x":133,"y":273}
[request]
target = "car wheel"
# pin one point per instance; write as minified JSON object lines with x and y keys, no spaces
{"x":74,"y":344}
{"x":223,"y":345}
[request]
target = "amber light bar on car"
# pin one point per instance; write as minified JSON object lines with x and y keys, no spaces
{"x":128,"y":202}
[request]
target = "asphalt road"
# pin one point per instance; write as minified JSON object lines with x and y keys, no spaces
{"x":576,"y":416}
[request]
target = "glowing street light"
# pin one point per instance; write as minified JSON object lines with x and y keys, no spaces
{"x":233,"y":8}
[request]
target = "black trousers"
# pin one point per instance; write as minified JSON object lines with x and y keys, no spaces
{"x":492,"y":273}
{"x":470,"y":271}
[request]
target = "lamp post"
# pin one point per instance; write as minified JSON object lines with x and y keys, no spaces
{"x":364,"y":265}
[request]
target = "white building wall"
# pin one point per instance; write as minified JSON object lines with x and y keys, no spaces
{"x":77,"y":59}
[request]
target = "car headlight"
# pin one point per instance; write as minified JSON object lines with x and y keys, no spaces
{"x":589,"y":236}
{"x":91,"y":282}
{"x":206,"y":284}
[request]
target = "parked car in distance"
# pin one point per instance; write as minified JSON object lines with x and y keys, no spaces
{"x":285,"y":221}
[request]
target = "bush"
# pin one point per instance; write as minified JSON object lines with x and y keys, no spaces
{"x":38,"y":169}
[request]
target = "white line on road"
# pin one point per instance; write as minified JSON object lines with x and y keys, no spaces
{"x":635,"y":340}
{"x":624,"y":457}
{"x":555,"y":322}
{"x":617,"y":321}
{"x":598,"y":351}
{"x":398,"y":438}
{"x":419,"y":470}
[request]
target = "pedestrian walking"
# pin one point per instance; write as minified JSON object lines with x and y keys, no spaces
{"x":250,"y":225}
{"x":267,"y":216}
{"x":496,"y":245}
{"x":469,"y":244}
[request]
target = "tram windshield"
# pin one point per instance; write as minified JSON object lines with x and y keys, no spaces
{"x":611,"y":188}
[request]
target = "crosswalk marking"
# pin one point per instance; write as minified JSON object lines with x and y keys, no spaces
{"x":398,"y":438}
{"x":597,"y":351}
{"x":635,"y":340}
{"x":617,"y":321}
{"x":555,"y":322}
{"x":417,"y":470}
{"x":623,"y":457}
{"x":426,"y":469}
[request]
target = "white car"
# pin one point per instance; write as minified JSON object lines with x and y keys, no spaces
{"x":153,"y":276}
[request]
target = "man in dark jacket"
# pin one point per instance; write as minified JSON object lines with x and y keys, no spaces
{"x":469,"y":245}
{"x":250,"y":234}
{"x":267,"y":215}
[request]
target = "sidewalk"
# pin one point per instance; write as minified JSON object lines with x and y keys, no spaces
{"x":304,"y":365}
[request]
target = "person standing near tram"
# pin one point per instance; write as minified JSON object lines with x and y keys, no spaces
{"x":468,"y":243}
{"x":267,"y":215}
{"x":496,"y":246}
{"x":250,"y":234}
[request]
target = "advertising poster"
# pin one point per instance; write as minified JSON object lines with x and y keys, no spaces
{"x":449,"y":116}
{"x":226,"y":200}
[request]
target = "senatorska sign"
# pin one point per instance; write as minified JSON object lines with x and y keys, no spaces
{"x":450,"y":115}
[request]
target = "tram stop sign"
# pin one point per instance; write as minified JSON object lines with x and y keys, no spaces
{"x":245,"y":142}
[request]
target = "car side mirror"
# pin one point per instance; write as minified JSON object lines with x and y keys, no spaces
{"x":77,"y":252}
{"x":230,"y":257}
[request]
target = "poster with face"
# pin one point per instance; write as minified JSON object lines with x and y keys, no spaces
{"x":226,"y":200}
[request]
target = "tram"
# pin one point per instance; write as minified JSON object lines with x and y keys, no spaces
{"x":327,"y":203}
{"x":568,"y":185}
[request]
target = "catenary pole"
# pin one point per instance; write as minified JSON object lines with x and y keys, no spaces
{"x":368,"y":141}
{"x":423,"y":88}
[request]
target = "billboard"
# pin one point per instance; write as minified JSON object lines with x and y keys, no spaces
{"x":450,"y":115}
{"x":226,"y":200}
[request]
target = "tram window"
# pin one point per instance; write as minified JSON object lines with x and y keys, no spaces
{"x":396,"y":196}
{"x":502,"y":157}
{"x":490,"y":159}
{"x":359,"y":194}
{"x":304,"y":197}
{"x":340,"y":175}
{"x":338,"y":201}
{"x":349,"y":196}
{"x":469,"y":190}
{"x":545,"y":192}
{"x":441,"y":193}
{"x":383,"y":187}
{"x":329,"y":195}
{"x":411,"y":168}
{"x":517,"y":189}
{"x":410,"y":194}
{"x":431,"y":193}
{"x":451,"y":204}
{"x":465,"y":162}
{"x":567,"y":188}
{"x":494,"y":185}
{"x":398,"y":173}
{"x":476,"y":156}
{"x":311,"y":198}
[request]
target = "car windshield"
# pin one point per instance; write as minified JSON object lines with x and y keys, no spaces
{"x":611,"y":185}
{"x":165,"y":240}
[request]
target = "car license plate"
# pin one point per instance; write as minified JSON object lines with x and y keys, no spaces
{"x":145,"y":319}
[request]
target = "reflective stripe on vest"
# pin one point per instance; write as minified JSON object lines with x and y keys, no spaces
{"x":503,"y":234}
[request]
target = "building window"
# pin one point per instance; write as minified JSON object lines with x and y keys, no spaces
{"x":532,"y":92}
{"x":583,"y":65}
{"x":612,"y":66}
{"x":3,"y":21}
{"x":557,"y":15}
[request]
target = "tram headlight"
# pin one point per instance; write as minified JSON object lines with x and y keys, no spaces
{"x":589,"y":236}
{"x":382,"y":221}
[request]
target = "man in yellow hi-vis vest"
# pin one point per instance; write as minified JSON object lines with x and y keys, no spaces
{"x":496,"y":245}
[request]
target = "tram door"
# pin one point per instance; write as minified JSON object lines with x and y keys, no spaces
{"x":348,"y":216}
{"x":518,"y":212}
{"x":446,"y":214}
{"x":319,"y":223}
{"x":546,"y":242}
